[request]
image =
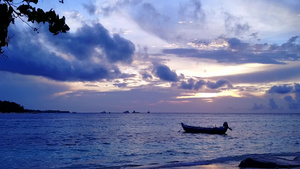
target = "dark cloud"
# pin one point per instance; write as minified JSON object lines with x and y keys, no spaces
{"x":84,"y":43}
{"x":27,"y":55}
{"x":293,"y":99}
{"x":273,"y":104}
{"x":187,"y":85}
{"x":245,"y":52}
{"x":235,"y":43}
{"x":191,"y":84}
{"x":284,"y":89}
{"x":198,"y":85}
{"x":292,"y":45}
{"x":164,"y":73}
{"x":294,"y":103}
{"x":218,"y":84}
{"x":120,"y":85}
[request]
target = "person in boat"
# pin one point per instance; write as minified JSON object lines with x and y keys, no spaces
{"x":225,"y":125}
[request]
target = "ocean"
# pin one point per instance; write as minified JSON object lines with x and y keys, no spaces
{"x":141,"y":140}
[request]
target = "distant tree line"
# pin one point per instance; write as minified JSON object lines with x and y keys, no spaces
{"x":12,"y":107}
{"x":8,"y":107}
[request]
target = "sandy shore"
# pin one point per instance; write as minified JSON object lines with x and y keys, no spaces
{"x":235,"y":164}
{"x":230,"y":165}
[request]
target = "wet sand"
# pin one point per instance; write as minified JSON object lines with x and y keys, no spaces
{"x":230,"y":165}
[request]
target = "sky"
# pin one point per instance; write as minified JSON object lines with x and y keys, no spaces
{"x":235,"y":56}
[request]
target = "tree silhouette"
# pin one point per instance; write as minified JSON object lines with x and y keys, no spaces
{"x":7,"y":107}
{"x":9,"y":11}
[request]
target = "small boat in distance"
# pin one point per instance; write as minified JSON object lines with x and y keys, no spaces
{"x":207,"y":130}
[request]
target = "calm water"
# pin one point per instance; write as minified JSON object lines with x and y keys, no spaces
{"x":140,"y":140}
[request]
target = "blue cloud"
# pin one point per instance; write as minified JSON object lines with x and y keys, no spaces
{"x":233,"y":24}
{"x":284,"y":89}
{"x":28,"y":56}
{"x":293,"y":103}
{"x":245,"y":52}
{"x":273,"y":104}
{"x":192,"y":84}
{"x":196,"y":85}
{"x":91,"y":8}
{"x":187,"y":85}
{"x":218,"y":84}
{"x":164,"y":73}
{"x":146,"y":76}
{"x":84,"y":43}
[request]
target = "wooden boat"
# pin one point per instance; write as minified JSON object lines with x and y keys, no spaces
{"x":207,"y":130}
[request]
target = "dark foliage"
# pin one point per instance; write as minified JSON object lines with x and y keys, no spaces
{"x":9,"y":11}
{"x":8,"y":107}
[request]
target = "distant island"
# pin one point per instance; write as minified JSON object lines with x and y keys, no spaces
{"x":12,"y":107}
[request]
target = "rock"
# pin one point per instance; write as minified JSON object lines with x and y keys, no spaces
{"x":269,"y":162}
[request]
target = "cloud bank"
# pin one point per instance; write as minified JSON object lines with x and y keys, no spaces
{"x":191,"y":84}
{"x":233,"y":50}
{"x":293,"y":99}
{"x":28,"y":55}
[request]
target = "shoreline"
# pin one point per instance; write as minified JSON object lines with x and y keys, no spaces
{"x":227,"y":165}
{"x":229,"y":162}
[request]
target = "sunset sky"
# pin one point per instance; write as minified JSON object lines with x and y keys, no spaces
{"x":159,"y":56}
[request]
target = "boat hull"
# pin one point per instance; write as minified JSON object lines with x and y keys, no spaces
{"x":193,"y":129}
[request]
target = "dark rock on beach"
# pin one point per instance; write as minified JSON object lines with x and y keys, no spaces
{"x":269,"y":162}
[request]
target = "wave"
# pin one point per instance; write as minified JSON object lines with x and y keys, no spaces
{"x":222,"y":160}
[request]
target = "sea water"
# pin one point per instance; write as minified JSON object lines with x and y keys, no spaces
{"x":142,"y":140}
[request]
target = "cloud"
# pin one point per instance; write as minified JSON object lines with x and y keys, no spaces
{"x":91,"y":8}
{"x":284,"y":72}
{"x":235,"y":43}
{"x":240,"y":52}
{"x":284,"y":89}
{"x":164,"y":73}
{"x":32,"y":54}
{"x":146,"y":76}
{"x":120,"y":85}
{"x":297,"y":88}
{"x":152,"y":20}
{"x":257,"y":106}
{"x":83,"y":44}
{"x":234,"y":24}
{"x":218,"y":84}
{"x":273,"y":104}
{"x":191,"y":11}
{"x":294,"y":103}
{"x":187,"y":85}
{"x":293,"y":99}
{"x":112,"y":6}
{"x":196,"y":85}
